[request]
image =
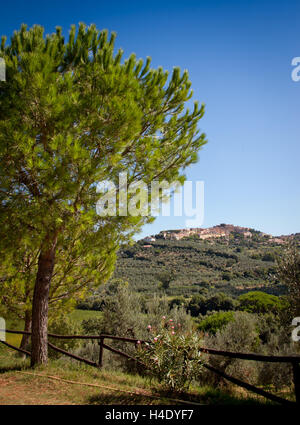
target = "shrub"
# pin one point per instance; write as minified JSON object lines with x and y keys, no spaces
{"x":194,"y":305}
{"x":260,"y":302}
{"x":239,"y":335}
{"x":179,"y":301}
{"x":172,"y":356}
{"x":279,"y":375}
{"x":252,"y":333}
{"x":63,"y":325}
{"x":219,"y":302}
{"x":85,"y":304}
{"x":226,"y":276}
{"x":269,"y":256}
{"x":91,"y":303}
{"x":122,"y":313}
{"x":92,"y":326}
{"x":126,"y":313}
{"x":288,"y":273}
{"x":165,"y":278}
{"x":89,"y":350}
{"x":216,"y":321}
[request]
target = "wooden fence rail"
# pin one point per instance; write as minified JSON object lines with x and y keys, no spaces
{"x":293,"y":360}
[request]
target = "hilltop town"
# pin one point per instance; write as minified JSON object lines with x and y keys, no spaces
{"x":219,"y":231}
{"x":227,"y":258}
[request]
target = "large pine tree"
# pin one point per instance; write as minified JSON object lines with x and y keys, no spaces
{"x":72,"y":114}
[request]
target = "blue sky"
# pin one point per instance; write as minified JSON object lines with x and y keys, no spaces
{"x":238,"y":54}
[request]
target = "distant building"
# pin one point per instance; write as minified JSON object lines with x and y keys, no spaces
{"x":149,"y":239}
{"x":174,"y":236}
{"x":220,"y":231}
{"x":276,"y":240}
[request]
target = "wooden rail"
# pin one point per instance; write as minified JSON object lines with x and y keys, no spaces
{"x":293,"y":360}
{"x":249,"y":387}
{"x":253,"y":356}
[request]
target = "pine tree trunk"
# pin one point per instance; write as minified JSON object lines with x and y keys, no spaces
{"x":27,"y":328}
{"x":39,"y":337}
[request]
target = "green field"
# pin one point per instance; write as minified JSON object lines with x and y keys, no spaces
{"x":76,"y":315}
{"x":80,"y":315}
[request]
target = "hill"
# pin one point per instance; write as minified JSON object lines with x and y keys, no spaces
{"x":222,"y":258}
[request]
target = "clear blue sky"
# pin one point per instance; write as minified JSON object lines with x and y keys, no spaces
{"x":238,"y":54}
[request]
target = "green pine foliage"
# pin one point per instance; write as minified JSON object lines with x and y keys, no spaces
{"x":74,"y":113}
{"x":211,"y":324}
{"x":260,"y":302}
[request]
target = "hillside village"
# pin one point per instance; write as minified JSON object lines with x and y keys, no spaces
{"x":222,"y":258}
{"x":219,"y":231}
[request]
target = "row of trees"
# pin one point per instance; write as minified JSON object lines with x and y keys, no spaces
{"x":253,"y":302}
{"x":73,"y":113}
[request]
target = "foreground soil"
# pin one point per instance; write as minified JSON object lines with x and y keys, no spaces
{"x":69,"y":383}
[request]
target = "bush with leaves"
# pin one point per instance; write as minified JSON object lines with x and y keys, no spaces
{"x":288,"y":272}
{"x":127,"y":314}
{"x":260,"y":302}
{"x":212,"y":323}
{"x":248,"y":332}
{"x":179,"y":301}
{"x":158,"y":307}
{"x":63,"y":325}
{"x":239,"y":335}
{"x":172,"y":356}
{"x":217,"y":302}
{"x":92,"y":326}
{"x":121,"y":316}
{"x":275,"y":336}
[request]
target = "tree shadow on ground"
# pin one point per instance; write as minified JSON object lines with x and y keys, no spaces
{"x":210,"y":397}
{"x":14,"y":368}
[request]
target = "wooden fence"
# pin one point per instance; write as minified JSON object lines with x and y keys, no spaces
{"x":293,"y":360}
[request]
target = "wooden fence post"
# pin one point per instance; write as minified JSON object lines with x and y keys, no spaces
{"x":101,"y":351}
{"x":296,"y":372}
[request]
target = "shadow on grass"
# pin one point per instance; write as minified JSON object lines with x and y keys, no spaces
{"x":122,"y":399}
{"x":11,"y":361}
{"x":14,"y":367}
{"x":213,"y":396}
{"x":134,"y":399}
{"x":222,"y":398}
{"x":210,"y":396}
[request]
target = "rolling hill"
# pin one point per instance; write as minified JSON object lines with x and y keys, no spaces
{"x":224,"y":258}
